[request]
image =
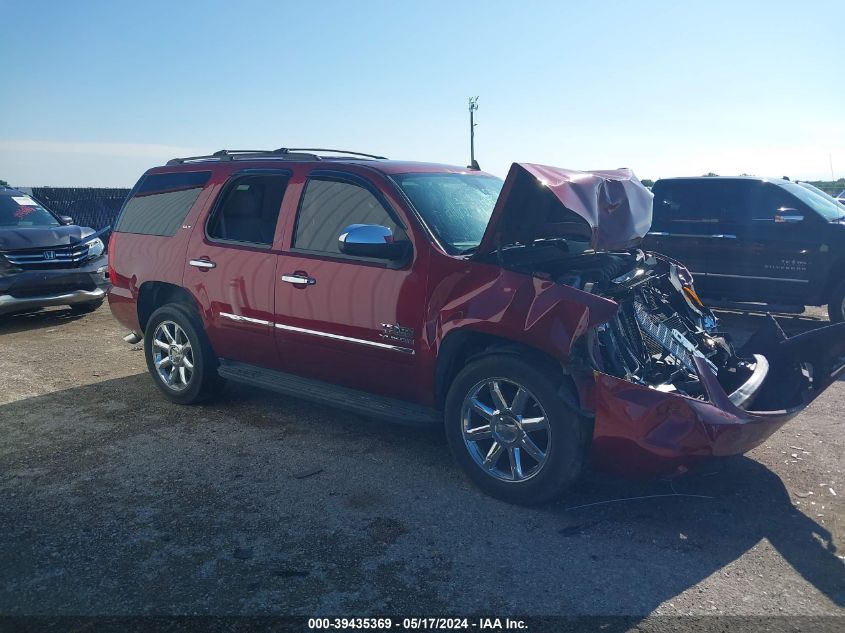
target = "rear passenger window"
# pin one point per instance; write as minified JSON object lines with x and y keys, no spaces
{"x":697,"y":206}
{"x":161,"y":202}
{"x":249,"y":209}
{"x":329,"y":206}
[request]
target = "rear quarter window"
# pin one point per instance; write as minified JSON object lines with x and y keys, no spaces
{"x":160,"y":203}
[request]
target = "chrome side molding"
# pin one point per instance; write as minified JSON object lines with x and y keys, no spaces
{"x":301,"y":330}
{"x":242,"y":319}
{"x":348,"y":339}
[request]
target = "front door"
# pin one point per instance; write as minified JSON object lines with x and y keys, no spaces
{"x":346,"y":320}
{"x":783,"y":245}
{"x":231,"y":267}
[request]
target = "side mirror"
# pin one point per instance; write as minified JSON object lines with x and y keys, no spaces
{"x":371,"y":240}
{"x":788,"y":216}
{"x":65,"y":219}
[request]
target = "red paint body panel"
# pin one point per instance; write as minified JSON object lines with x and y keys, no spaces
{"x":241,"y":284}
{"x":351,"y":299}
{"x":133,"y":262}
{"x":511,"y":305}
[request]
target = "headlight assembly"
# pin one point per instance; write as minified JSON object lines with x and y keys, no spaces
{"x":95,"y":247}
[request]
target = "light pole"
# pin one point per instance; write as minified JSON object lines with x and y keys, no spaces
{"x":473,"y":106}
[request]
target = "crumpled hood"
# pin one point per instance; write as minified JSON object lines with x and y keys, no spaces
{"x":611,"y":208}
{"x":12,"y":239}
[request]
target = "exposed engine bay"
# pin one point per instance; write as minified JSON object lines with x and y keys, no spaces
{"x":664,"y":384}
{"x":662,"y":336}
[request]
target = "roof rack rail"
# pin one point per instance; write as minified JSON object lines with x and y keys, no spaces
{"x":283,"y":153}
{"x":231,"y":154}
{"x":333,"y":151}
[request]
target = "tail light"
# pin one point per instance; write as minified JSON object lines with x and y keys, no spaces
{"x":111,"y":252}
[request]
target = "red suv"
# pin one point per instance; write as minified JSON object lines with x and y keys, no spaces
{"x":521,"y":312}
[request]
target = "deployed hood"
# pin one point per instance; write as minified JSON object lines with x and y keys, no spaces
{"x":13,"y":239}
{"x":611,"y":208}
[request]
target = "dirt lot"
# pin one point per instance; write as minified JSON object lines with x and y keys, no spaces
{"x":114,"y":502}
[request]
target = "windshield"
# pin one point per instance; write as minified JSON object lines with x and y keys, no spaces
{"x":21,"y":211}
{"x":456,"y":207}
{"x":815,"y":189}
{"x":823,"y":205}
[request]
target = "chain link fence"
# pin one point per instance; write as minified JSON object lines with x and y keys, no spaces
{"x":93,"y":207}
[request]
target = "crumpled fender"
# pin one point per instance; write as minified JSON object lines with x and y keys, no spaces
{"x":525,"y":309}
{"x":639,"y":430}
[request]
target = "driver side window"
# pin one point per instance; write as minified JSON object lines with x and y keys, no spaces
{"x":328,"y":206}
{"x":772,"y":200}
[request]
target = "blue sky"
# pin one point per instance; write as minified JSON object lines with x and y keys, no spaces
{"x":96,"y":92}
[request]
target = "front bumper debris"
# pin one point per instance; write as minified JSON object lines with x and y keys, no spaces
{"x":640,"y":430}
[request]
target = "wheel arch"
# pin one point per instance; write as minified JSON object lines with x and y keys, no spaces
{"x":464,"y":345}
{"x":154,"y":294}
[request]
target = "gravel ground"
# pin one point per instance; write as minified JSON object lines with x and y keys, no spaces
{"x":113,"y":501}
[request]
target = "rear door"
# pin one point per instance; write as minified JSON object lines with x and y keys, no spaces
{"x":352,"y":321}
{"x":697,"y":222}
{"x":231,"y":265}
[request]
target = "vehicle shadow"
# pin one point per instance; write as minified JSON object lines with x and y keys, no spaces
{"x":703,"y":521}
{"x":260,"y":503}
{"x":36,"y":320}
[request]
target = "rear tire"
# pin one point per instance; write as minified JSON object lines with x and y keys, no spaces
{"x":179,"y":356}
{"x":836,"y":305}
{"x":85,"y":308}
{"x":500,"y":400}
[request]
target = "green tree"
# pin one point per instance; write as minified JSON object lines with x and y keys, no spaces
{"x":647,"y":182}
{"x":3,"y":183}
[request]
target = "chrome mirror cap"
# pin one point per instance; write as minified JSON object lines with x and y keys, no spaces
{"x":371,"y":240}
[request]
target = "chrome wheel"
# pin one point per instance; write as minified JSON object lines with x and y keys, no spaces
{"x":505,"y":429}
{"x":173,"y":356}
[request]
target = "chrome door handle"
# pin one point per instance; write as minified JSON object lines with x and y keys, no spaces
{"x":725,"y":236}
{"x":203,"y":263}
{"x":299,"y":279}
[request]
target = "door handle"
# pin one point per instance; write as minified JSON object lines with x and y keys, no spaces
{"x":299,"y":279}
{"x":724,"y":236}
{"x":203,"y":263}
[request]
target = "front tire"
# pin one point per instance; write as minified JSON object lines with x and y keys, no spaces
{"x":179,"y":356}
{"x":836,"y":305}
{"x":511,"y":431}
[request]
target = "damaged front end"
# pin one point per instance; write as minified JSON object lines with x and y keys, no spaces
{"x":666,"y":384}
{"x":670,"y":386}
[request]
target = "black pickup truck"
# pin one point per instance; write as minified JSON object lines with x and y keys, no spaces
{"x":754,"y":240}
